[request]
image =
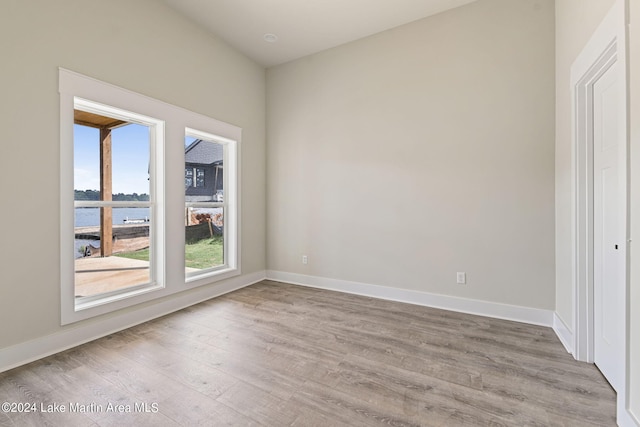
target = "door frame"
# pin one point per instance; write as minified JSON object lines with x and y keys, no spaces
{"x":606,"y":47}
{"x":584,"y":202}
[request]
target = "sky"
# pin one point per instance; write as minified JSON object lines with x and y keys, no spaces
{"x":188,"y":140}
{"x":130,"y":151}
{"x":130,"y":156}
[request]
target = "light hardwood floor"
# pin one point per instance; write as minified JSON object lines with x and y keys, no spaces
{"x":276,"y":354}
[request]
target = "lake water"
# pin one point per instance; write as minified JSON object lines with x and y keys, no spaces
{"x":90,"y":217}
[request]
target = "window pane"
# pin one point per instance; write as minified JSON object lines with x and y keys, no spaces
{"x":204,"y":236}
{"x":125,"y":149}
{"x":130,"y":151}
{"x":125,"y":264}
{"x":86,"y":162}
{"x":204,"y":167}
{"x":111,"y":161}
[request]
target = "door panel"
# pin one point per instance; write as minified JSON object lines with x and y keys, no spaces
{"x":608,"y":288}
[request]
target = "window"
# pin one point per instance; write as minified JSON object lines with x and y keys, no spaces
{"x":114,"y":202}
{"x":200,"y":177}
{"x":205,"y":207}
{"x":124,"y":236}
{"x":188,"y":178}
{"x":199,"y":173}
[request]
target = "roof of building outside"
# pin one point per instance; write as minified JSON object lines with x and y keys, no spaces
{"x":203,"y":152}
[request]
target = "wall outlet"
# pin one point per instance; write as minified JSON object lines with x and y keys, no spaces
{"x":305,"y":260}
{"x":461,"y":278}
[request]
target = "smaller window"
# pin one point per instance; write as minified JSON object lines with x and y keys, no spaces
{"x":200,"y":177}
{"x":188,"y":177}
{"x":209,"y":229}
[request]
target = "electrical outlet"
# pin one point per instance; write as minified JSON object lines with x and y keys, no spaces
{"x":461,"y":278}
{"x":305,"y":260}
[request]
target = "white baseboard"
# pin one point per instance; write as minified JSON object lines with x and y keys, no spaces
{"x":23,"y":353}
{"x":529,"y":315}
{"x":563,"y":332}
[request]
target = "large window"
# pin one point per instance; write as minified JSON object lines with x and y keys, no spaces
{"x":131,"y":230}
{"x":114,"y":202}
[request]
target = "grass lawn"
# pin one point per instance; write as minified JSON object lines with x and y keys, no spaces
{"x":142,"y":254}
{"x":200,"y":254}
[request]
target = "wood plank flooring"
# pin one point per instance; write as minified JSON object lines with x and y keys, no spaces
{"x":281,"y":355}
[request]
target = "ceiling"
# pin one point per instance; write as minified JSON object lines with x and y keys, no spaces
{"x":303,"y":27}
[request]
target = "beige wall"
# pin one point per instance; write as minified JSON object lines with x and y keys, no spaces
{"x":405,"y":157}
{"x":576,"y":20}
{"x":634,"y":300}
{"x":142,"y":46}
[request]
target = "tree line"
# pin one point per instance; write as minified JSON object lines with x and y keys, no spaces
{"x":120,"y":197}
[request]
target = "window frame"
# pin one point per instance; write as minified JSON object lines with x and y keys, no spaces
{"x":169,"y":194}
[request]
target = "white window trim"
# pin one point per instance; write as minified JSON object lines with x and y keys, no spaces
{"x":170,"y":267}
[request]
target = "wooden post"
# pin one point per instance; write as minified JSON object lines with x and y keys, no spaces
{"x":106,"y":191}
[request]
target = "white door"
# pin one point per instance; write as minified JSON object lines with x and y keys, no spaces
{"x":608,"y":237}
